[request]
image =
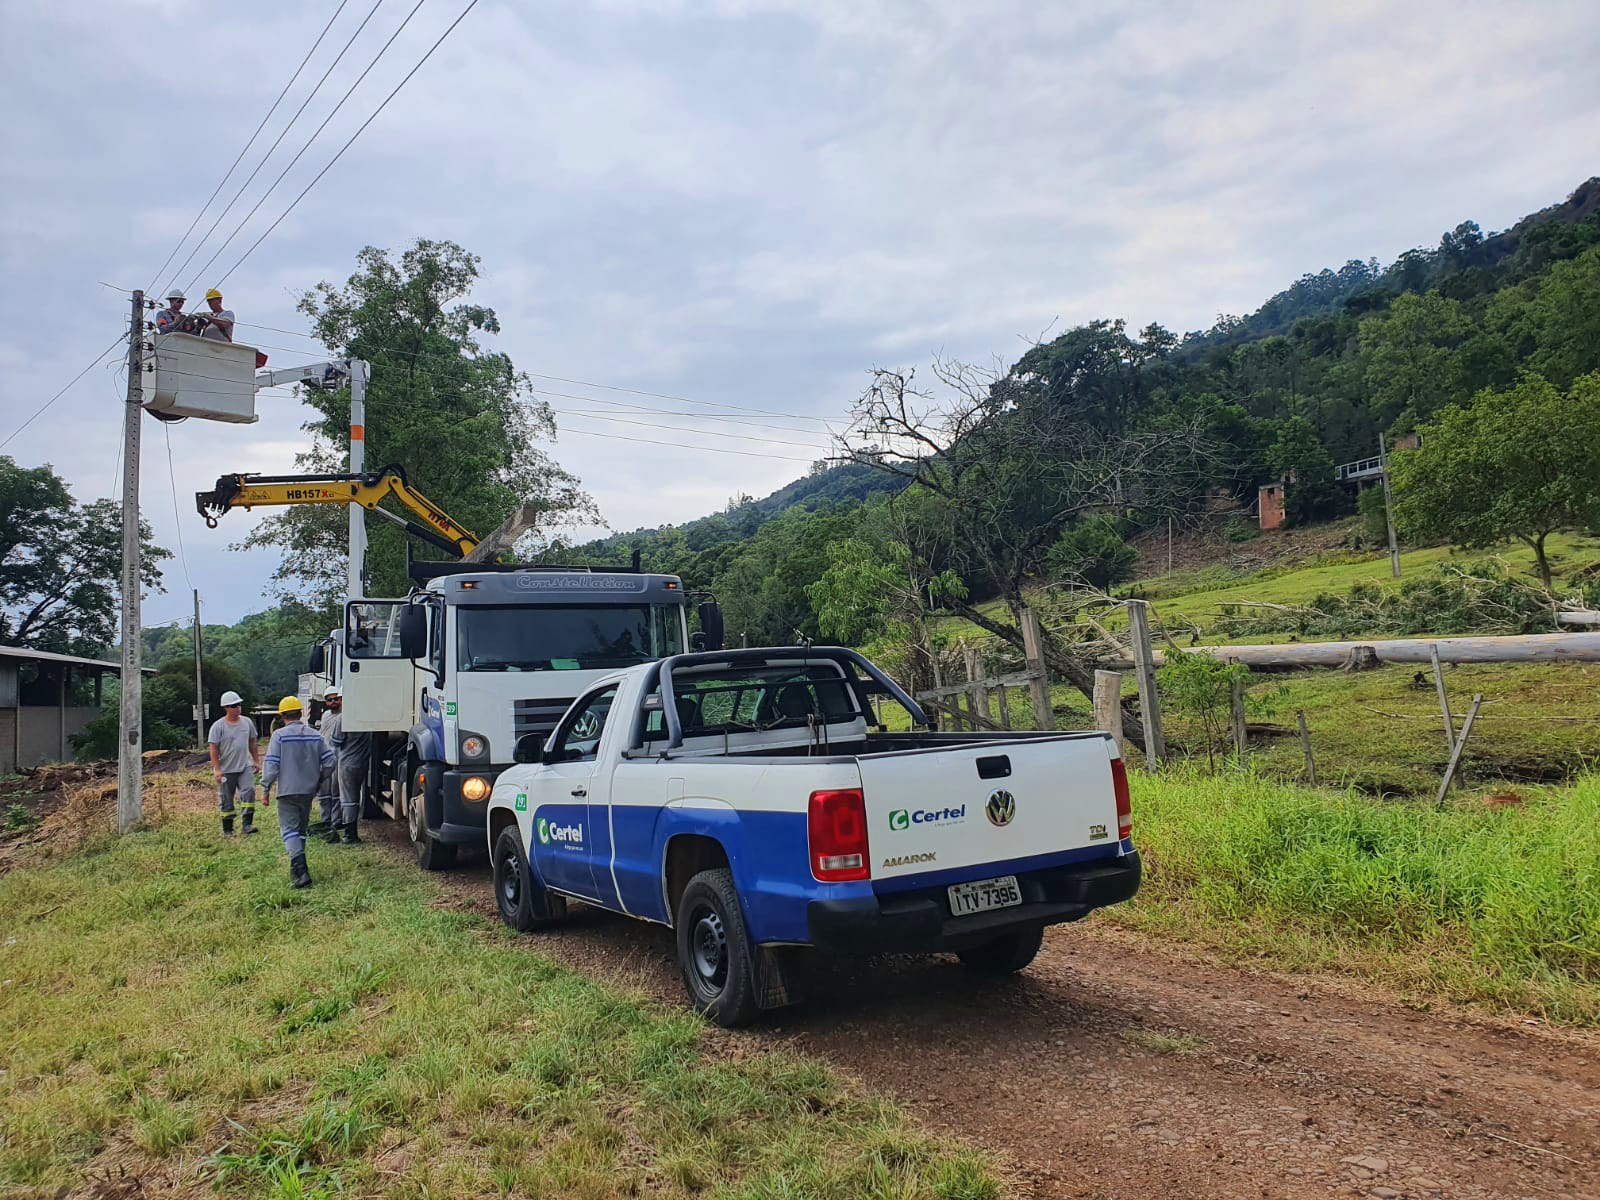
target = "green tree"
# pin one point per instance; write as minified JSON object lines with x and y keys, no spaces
{"x":61,"y":564}
{"x":1412,"y":368}
{"x":462,"y":421}
{"x":1298,"y":455}
{"x":1093,"y":551}
{"x":1521,"y":464}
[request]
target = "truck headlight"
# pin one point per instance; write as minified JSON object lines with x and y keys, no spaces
{"x":474,"y":787}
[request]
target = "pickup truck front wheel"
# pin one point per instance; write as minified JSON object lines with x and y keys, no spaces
{"x":714,"y":950}
{"x":524,"y":904}
{"x":1004,"y":955}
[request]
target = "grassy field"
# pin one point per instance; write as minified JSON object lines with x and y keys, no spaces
{"x":1497,"y":906}
{"x":173,"y":1014}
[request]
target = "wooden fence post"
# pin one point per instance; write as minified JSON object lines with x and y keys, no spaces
{"x":1005,"y":705}
{"x":1144,"y":665}
{"x":1305,"y":743}
{"x":1461,"y":745}
{"x":1236,"y":717}
{"x":1444,"y":700}
{"x":979,"y":693}
{"x":1044,"y":716}
{"x":1108,"y":705}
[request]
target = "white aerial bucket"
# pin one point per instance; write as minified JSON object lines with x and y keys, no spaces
{"x":203,"y":377}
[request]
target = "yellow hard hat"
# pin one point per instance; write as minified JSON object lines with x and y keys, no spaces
{"x":289,"y":704}
{"x":213,"y":294}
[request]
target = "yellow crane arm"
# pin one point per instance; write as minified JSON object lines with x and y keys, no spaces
{"x":368,"y":489}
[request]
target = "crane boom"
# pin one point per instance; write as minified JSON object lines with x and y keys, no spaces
{"x":368,"y":489}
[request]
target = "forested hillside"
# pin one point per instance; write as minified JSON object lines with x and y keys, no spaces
{"x":1309,"y":380}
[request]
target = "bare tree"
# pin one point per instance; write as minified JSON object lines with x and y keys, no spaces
{"x":1015,"y":466}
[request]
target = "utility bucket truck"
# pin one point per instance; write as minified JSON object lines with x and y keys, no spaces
{"x":451,"y":677}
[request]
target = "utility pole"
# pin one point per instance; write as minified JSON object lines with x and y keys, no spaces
{"x":130,"y":743}
{"x":1388,"y":509}
{"x":199,"y":693}
{"x":359,"y":372}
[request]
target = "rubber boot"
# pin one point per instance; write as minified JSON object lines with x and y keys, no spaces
{"x":351,"y":837}
{"x":248,"y":825}
{"x":299,"y":873}
{"x":332,"y":837}
{"x":227,"y":825}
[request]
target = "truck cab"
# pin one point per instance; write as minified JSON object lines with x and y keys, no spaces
{"x":449,"y":678}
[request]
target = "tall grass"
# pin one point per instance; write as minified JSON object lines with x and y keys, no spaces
{"x":170,"y":1004}
{"x":1499,"y":905}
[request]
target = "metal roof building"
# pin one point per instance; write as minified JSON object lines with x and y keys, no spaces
{"x":45,"y":698}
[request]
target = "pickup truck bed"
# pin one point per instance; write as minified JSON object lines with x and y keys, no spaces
{"x":759,"y":767}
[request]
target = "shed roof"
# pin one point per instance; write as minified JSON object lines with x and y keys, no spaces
{"x":26,"y":655}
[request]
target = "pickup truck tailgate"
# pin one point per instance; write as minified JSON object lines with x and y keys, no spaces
{"x":995,"y":804}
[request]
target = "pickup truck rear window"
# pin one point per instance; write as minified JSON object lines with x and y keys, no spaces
{"x":757,"y":698}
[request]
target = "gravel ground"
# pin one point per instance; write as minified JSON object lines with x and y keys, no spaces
{"x":1113,"y":1067}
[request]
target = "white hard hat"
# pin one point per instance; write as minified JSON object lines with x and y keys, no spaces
{"x":229,"y":699}
{"x":332,"y":693}
{"x":176,"y":294}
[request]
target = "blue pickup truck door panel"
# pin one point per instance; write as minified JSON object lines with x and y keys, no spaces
{"x":562,"y":836}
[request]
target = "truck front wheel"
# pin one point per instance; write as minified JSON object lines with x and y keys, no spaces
{"x":1004,"y":955}
{"x":523,"y":902}
{"x":714,"y":951}
{"x":432,"y":854}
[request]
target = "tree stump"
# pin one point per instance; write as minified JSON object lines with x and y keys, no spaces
{"x":1361,"y":658}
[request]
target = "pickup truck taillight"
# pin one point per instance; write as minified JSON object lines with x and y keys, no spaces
{"x":836,"y":828}
{"x":1119,"y":781}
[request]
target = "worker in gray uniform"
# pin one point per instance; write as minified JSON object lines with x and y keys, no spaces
{"x":355,"y":756}
{"x":296,"y":760}
{"x":235,"y":758}
{"x":328,"y":791}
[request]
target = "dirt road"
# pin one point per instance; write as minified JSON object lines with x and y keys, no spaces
{"x":1111,"y":1069}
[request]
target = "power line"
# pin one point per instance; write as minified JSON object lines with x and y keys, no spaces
{"x":472,"y":4}
{"x":682,"y":399}
{"x":39,"y":412}
{"x":227,"y":174}
{"x":743,"y":437}
{"x":283,"y":133}
{"x":172,"y":478}
{"x":680,"y":446}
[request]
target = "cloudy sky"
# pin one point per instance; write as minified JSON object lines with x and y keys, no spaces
{"x":737,"y":202}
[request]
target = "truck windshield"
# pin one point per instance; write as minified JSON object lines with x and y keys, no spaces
{"x":565,"y":637}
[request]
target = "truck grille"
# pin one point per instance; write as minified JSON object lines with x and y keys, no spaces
{"x":537,"y":716}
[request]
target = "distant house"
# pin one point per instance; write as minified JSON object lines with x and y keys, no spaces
{"x":44,"y":699}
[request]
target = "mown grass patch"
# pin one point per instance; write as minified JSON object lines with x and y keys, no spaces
{"x":1499,"y":906}
{"x":172,"y":1008}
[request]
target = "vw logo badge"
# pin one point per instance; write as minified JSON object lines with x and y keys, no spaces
{"x":1001,"y":808}
{"x":586,"y":726}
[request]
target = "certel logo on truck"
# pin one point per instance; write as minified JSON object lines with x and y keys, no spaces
{"x":549,"y":832}
{"x":905,"y":818}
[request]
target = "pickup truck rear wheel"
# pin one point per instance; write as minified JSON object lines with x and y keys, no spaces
{"x":714,"y":950}
{"x":1004,"y":955}
{"x":523,"y":902}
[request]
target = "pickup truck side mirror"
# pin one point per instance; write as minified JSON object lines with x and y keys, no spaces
{"x":413,"y":631}
{"x":711,"y":625}
{"x":319,"y":659}
{"x":529,"y":749}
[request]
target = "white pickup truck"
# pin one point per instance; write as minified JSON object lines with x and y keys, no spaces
{"x":750,"y":800}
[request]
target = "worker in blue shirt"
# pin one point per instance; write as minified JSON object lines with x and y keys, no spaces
{"x":296,"y":760}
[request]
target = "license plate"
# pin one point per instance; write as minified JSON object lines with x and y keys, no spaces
{"x":983,"y":895}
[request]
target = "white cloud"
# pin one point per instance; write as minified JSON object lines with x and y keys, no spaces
{"x":747,"y":201}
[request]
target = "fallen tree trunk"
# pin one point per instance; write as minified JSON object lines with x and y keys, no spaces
{"x":1531,"y":647}
{"x":1577,"y":617}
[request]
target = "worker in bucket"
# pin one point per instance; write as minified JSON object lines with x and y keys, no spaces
{"x":219,"y":321}
{"x":235,"y":758}
{"x":328,"y":791}
{"x":167,"y":319}
{"x":297,"y":758}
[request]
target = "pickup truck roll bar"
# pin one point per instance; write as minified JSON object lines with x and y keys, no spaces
{"x":753,"y":657}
